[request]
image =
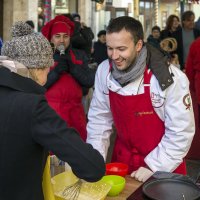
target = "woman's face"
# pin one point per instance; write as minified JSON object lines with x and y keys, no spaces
{"x":175,"y":23}
{"x":39,"y":75}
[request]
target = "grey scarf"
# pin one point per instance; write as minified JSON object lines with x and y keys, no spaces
{"x":134,"y":71}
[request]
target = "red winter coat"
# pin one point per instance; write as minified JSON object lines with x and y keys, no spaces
{"x":193,"y":68}
{"x":193,"y":74}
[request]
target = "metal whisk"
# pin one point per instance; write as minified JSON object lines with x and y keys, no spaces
{"x":72,"y":192}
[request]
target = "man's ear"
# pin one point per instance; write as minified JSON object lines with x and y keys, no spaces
{"x":139,"y":45}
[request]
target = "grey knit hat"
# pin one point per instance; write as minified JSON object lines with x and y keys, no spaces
{"x":27,"y":47}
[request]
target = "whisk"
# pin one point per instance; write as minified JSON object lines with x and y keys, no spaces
{"x":72,"y":192}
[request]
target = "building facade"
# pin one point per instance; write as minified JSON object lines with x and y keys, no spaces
{"x":95,"y":15}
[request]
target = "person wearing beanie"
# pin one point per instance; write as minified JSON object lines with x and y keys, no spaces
{"x":29,"y":127}
{"x":100,"y":48}
{"x":68,"y":75}
{"x":83,"y":36}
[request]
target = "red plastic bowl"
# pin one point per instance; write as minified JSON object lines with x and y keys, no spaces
{"x":119,"y":169}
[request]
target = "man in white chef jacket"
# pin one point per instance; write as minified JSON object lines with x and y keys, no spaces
{"x":147,"y":100}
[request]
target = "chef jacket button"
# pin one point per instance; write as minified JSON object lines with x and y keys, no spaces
{"x":169,"y":80}
{"x":163,"y":85}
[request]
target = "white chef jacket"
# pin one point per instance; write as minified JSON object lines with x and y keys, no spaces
{"x":173,"y":106}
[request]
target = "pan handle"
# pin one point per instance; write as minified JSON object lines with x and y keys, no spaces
{"x":197,"y":181}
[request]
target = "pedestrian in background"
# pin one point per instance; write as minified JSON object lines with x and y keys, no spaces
{"x":193,"y":74}
{"x":185,"y":36}
{"x":29,"y":128}
{"x":172,"y":24}
{"x":154,"y":38}
{"x":85,"y":32}
{"x":168,"y":43}
{"x":100,"y":48}
{"x":147,"y":100}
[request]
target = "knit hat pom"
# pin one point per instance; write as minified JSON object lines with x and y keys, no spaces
{"x":21,"y":29}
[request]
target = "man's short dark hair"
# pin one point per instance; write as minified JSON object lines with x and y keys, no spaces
{"x":76,"y":15}
{"x":30,"y":23}
{"x":186,"y":15}
{"x":129,"y":24}
{"x":102,"y":32}
{"x":155,"y":28}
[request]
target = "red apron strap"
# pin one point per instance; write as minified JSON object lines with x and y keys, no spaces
{"x":147,"y":78}
{"x":110,"y":64}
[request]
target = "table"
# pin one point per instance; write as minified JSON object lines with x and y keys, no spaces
{"x":130,"y":187}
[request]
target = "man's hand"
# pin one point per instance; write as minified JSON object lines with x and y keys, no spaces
{"x":62,"y":64}
{"x":142,"y":174}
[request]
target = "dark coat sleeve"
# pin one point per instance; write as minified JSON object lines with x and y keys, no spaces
{"x":179,"y":51}
{"x":81,"y":72}
{"x":51,"y":132}
{"x":75,"y":63}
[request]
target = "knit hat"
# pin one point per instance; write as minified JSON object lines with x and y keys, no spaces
{"x":27,"y":47}
{"x":60,"y":24}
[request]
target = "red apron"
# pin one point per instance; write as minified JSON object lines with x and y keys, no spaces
{"x":65,"y":97}
{"x":139,"y":129}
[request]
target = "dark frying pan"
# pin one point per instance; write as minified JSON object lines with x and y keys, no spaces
{"x":171,"y":187}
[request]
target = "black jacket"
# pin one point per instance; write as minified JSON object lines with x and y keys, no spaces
{"x":100,"y":52}
{"x":29,"y":128}
{"x":167,"y":33}
{"x":154,"y":41}
{"x":82,"y":38}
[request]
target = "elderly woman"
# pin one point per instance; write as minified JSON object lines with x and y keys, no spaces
{"x":29,"y":128}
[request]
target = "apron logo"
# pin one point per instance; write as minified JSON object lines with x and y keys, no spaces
{"x":187,"y":101}
{"x":139,"y":114}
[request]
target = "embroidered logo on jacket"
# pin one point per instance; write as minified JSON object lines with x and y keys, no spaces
{"x":187,"y":101}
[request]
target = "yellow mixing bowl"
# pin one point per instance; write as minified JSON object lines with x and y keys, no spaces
{"x":89,"y":191}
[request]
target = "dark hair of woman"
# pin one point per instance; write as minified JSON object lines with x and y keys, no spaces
{"x":170,"y":20}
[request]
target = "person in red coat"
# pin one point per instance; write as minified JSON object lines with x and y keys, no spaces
{"x":68,"y":75}
{"x":193,"y":74}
